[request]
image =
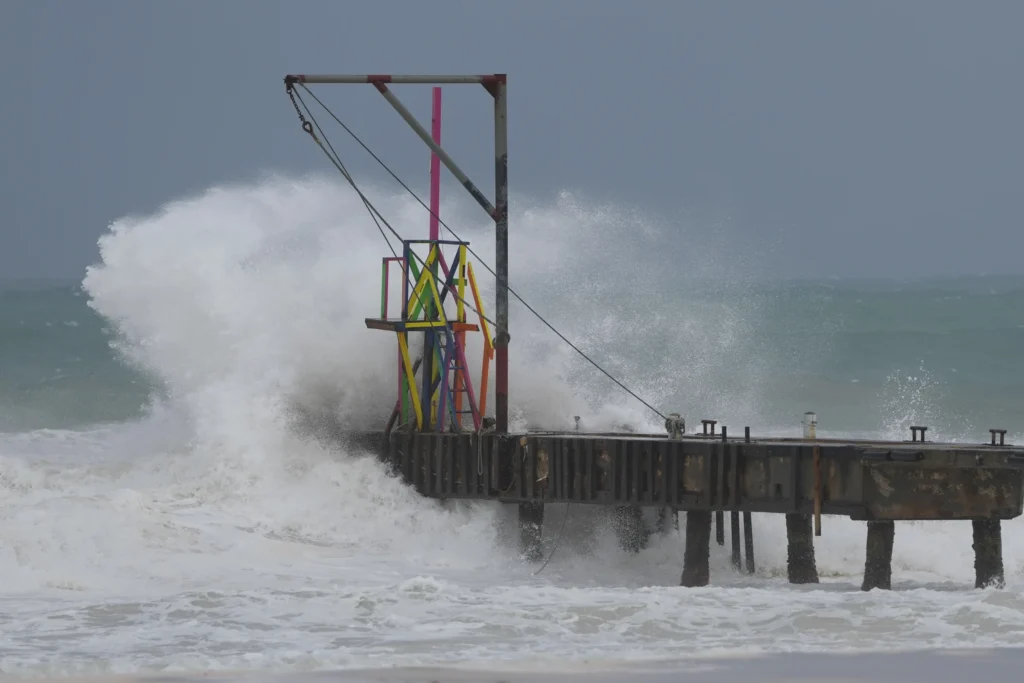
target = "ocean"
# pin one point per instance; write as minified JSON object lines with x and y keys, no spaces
{"x":169,"y":500}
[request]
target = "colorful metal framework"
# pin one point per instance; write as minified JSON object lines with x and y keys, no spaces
{"x":496,"y":86}
{"x":445,"y":395}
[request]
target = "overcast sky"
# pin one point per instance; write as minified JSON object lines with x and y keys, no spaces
{"x":859,"y":138}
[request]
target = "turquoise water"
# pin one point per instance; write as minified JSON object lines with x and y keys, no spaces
{"x":866,"y":356}
{"x":947,"y":355}
{"x":57,"y":369}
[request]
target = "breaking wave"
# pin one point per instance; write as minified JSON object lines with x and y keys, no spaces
{"x":227,"y":514}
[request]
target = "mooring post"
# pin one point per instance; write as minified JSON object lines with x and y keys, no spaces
{"x":988,"y":554}
{"x":697,"y":555}
{"x":878,"y":560}
{"x":810,"y":423}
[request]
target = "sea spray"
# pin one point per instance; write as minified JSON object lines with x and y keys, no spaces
{"x":218,"y":529}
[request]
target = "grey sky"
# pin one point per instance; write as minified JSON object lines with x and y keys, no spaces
{"x":857,"y":138}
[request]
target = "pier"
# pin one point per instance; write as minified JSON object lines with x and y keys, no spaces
{"x":706,"y":476}
{"x":441,"y":440}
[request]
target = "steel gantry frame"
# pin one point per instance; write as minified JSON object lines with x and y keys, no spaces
{"x":496,"y":85}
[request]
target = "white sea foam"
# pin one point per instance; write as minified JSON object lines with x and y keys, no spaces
{"x":220,"y":532}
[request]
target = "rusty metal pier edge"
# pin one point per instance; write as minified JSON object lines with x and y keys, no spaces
{"x":875,"y":482}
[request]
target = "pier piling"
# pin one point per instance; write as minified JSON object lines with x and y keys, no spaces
{"x":878,"y":560}
{"x":748,"y":541}
{"x":988,"y":553}
{"x":748,"y":525}
{"x":696,"y":556}
{"x":800,"y":561}
{"x":737,"y":560}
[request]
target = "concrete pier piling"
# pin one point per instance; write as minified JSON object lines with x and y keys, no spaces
{"x":737,"y":560}
{"x":988,"y":553}
{"x":878,"y":559}
{"x":800,"y":560}
{"x":531,"y":529}
{"x":748,"y":541}
{"x":696,"y":556}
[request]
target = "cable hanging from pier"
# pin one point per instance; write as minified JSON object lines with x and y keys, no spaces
{"x":337,"y":162}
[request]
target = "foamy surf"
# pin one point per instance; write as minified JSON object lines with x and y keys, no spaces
{"x":224,"y":531}
{"x":189,"y":560}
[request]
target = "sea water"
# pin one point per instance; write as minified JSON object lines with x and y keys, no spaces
{"x":169,"y":499}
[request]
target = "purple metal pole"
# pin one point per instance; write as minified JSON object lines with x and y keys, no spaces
{"x":435,"y":166}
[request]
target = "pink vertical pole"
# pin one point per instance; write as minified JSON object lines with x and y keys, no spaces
{"x":435,"y":166}
{"x":435,"y":208}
